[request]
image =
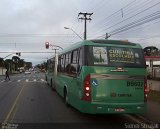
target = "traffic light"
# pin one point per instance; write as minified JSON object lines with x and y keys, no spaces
{"x":47,"y":45}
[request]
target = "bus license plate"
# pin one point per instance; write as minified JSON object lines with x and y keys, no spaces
{"x":119,"y":110}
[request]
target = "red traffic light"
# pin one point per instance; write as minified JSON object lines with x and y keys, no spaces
{"x":47,"y":45}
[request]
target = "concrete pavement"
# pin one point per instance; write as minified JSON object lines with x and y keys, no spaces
{"x":153,"y":111}
{"x":153,"y":85}
{"x":153,"y":108}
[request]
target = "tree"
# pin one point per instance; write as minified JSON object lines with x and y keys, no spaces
{"x":8,"y":64}
{"x":150,"y":51}
{"x":1,"y":61}
{"x":28,"y":65}
{"x":21,"y":63}
{"x":16,"y":61}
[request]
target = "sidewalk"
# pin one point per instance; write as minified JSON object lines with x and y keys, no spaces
{"x":153,"y":85}
{"x":153,"y":111}
{"x":153,"y":107}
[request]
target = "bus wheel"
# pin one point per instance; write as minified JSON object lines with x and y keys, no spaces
{"x":66,"y":96}
{"x":52,"y":86}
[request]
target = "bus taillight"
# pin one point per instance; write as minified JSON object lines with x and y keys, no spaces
{"x":86,"y":89}
{"x":145,"y":90}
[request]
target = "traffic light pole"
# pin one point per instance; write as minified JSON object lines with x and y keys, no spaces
{"x":51,"y":45}
{"x":47,"y":44}
{"x":8,"y":55}
{"x":19,"y":54}
{"x":55,"y":51}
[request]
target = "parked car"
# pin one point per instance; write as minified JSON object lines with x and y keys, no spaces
{"x":27,"y":72}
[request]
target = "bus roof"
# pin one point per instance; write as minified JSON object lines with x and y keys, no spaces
{"x":102,"y":42}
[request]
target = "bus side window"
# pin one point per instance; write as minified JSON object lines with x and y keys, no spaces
{"x":62,"y":63}
{"x":80,"y":60}
{"x":67,"y":62}
{"x":52,"y":62}
{"x":59,"y":64}
{"x":74,"y":62}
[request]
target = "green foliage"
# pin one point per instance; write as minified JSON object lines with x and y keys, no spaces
{"x":1,"y":61}
{"x":151,"y":51}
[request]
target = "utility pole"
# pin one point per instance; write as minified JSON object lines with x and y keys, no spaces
{"x":86,"y":16}
{"x":55,"y":50}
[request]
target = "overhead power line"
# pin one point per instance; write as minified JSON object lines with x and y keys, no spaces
{"x":113,"y":14}
{"x":138,"y":6}
{"x":29,"y":52}
{"x":146,"y":9}
{"x":145,"y":26}
{"x":136,"y":23}
{"x":133,"y":16}
{"x":35,"y":35}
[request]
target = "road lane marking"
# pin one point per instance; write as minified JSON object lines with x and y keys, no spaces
{"x":42,"y":80}
{"x":2,"y":80}
{"x":133,"y":119}
{"x":27,"y":80}
{"x":13,"y":106}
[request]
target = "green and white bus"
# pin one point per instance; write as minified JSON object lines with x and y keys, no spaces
{"x":101,"y":77}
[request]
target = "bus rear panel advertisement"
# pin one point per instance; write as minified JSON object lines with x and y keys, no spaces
{"x":101,"y":77}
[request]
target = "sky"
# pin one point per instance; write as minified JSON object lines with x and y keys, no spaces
{"x":25,"y":25}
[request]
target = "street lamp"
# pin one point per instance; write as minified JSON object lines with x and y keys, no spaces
{"x":73,"y":32}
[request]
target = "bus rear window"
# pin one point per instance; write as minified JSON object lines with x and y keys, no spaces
{"x":117,"y":56}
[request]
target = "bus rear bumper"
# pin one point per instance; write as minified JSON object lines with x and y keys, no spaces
{"x":114,"y":108}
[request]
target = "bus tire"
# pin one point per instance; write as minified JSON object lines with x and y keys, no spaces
{"x":66,"y":96}
{"x":52,"y":85}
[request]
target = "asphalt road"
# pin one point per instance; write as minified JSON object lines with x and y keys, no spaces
{"x":27,"y":99}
